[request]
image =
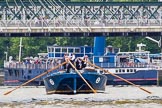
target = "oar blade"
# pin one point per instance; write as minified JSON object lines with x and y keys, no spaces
{"x":7,"y":92}
{"x":50,"y":70}
{"x":117,"y":76}
{"x":146,"y":90}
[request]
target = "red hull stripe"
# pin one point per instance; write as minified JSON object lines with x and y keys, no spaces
{"x":137,"y":79}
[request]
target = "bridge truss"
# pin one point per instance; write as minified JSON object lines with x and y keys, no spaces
{"x":51,"y":18}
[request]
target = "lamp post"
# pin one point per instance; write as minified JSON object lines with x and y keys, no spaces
{"x":20,"y":49}
{"x":6,"y":55}
{"x":159,"y":44}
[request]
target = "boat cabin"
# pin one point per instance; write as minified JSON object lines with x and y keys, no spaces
{"x":59,"y":51}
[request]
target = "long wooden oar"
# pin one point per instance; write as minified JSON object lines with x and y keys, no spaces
{"x":82,"y":77}
{"x":117,"y":76}
{"x":35,"y":78}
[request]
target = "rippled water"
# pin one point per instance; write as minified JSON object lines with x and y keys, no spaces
{"x":84,"y":104}
{"x":114,"y":97}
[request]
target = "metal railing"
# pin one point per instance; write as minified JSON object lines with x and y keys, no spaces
{"x":47,"y":66}
{"x":15,"y":65}
{"x":128,"y":65}
{"x":78,"y":23}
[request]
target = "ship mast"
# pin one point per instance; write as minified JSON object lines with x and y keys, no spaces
{"x":20,"y":49}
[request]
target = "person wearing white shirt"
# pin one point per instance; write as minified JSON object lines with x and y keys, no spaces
{"x":72,"y":59}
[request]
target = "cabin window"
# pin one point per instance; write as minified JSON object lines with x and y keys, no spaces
{"x":28,"y":77}
{"x":127,"y":70}
{"x":77,"y":51}
{"x":131,"y":70}
{"x":123,"y":70}
{"x":64,"y":50}
{"x":116,"y":71}
{"x":134,"y":70}
{"x":29,"y":71}
{"x":106,"y":59}
{"x":52,"y":49}
{"x":119,"y":70}
{"x":57,"y":49}
{"x":22,"y":72}
{"x":70,"y":50}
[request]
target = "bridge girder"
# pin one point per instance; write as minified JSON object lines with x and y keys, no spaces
{"x":72,"y":10}
{"x":79,"y":15}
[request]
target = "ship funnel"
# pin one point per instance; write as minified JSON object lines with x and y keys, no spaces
{"x":99,"y":46}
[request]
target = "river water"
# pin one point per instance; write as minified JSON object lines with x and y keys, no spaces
{"x":113,"y":97}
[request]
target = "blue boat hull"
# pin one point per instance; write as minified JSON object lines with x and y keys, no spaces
{"x":71,"y":83}
{"x":141,"y":77}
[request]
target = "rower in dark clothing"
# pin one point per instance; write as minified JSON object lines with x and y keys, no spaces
{"x":78,"y":64}
{"x":64,"y":60}
{"x":84,"y":64}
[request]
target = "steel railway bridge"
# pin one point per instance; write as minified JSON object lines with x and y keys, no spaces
{"x":56,"y":18}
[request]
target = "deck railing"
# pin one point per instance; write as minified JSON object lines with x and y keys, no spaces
{"x":17,"y":65}
{"x":103,"y":65}
{"x":128,"y":65}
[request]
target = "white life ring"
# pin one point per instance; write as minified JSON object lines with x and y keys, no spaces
{"x":51,"y":82}
{"x":98,"y":80}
